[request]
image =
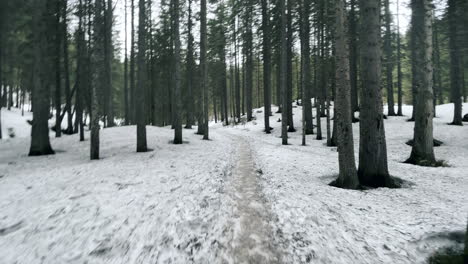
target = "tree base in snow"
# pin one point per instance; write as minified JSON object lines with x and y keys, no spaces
{"x":355,"y":120}
{"x":456,"y":123}
{"x":418,"y":161}
{"x":437,"y":143}
{"x":291,"y":129}
{"x":338,"y":183}
{"x":410,"y":120}
{"x":46,"y":151}
{"x":465,"y":118}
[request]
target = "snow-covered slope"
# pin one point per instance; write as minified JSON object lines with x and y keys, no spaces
{"x":175,"y":204}
{"x":322,"y":224}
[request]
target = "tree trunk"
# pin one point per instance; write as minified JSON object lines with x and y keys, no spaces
{"x":58,"y":78}
{"x":283,"y":73}
{"x":399,"y":73}
{"x":305,"y":61}
{"x":132,"y":63}
{"x":373,"y":167}
{"x":456,"y":80}
{"x":347,"y":177}
{"x":126,"y":89}
{"x":353,"y":59}
{"x":289,"y":74}
{"x":40,"y":144}
{"x":177,"y":85}
{"x":141,"y":82}
{"x":98,"y":74}
{"x":422,"y":152}
{"x":389,"y":59}
{"x":109,"y":57}
{"x":68,"y":96}
{"x":190,"y":68}
{"x":266,"y":65}
{"x":249,"y":59}
{"x":203,"y":68}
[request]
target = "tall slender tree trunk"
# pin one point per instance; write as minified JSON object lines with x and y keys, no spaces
{"x":132,"y":63}
{"x":126,"y":89}
{"x":249,"y":60}
{"x":399,"y":72}
{"x":283,"y":73}
{"x":40,"y":144}
{"x":347,"y":177}
{"x":177,"y":85}
{"x":109,"y":57}
{"x":456,"y":80}
{"x":141,"y":79}
{"x":58,"y":77}
{"x":289,"y":74}
{"x":203,"y":67}
{"x":98,"y":74}
{"x":305,"y":62}
{"x":353,"y":59}
{"x":389,"y":59}
{"x":422,"y":152}
{"x":68,"y":95}
{"x":373,"y":166}
{"x":190,"y":68}
{"x":266,"y":64}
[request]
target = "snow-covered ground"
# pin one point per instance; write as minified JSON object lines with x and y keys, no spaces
{"x":322,"y":224}
{"x":190,"y":203}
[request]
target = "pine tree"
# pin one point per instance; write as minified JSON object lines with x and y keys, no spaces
{"x":373,"y":167}
{"x":347,"y":169}
{"x":422,"y":152}
{"x":42,"y":36}
{"x":266,"y":64}
{"x":177,"y":122}
{"x":389,"y":59}
{"x":141,"y":79}
{"x":283,"y":72}
{"x":203,"y":68}
{"x":456,"y":80}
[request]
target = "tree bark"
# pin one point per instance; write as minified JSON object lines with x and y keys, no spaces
{"x":203,"y":68}
{"x":373,"y":167}
{"x":283,"y":73}
{"x":305,"y":61}
{"x":177,"y":85}
{"x":266,"y":65}
{"x":389,"y":59}
{"x":456,"y":80}
{"x":422,"y":152}
{"x":141,"y":78}
{"x":40,"y":144}
{"x":347,"y":177}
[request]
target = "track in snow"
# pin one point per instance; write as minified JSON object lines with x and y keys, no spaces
{"x":253,"y":239}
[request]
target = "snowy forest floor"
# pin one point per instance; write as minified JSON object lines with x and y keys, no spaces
{"x":241,"y":197}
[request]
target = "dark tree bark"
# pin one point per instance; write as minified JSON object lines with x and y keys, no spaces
{"x":305,"y":62}
{"x":203,"y":68}
{"x":42,"y":65}
{"x":68,"y":95}
{"x":98,"y":74}
{"x":399,"y":72}
{"x":109,"y":57}
{"x":389,"y":59}
{"x":422,"y":152}
{"x":266,"y":64}
{"x":289,"y":74}
{"x":126,"y":89}
{"x":353,"y":59}
{"x":249,"y":59}
{"x":283,"y":73}
{"x":58,"y":77}
{"x":80,"y":72}
{"x":177,"y":78}
{"x":141,"y":82}
{"x":456,"y":80}
{"x":347,"y":177}
{"x":190,"y":69}
{"x":373,"y":165}
{"x":132,"y":63}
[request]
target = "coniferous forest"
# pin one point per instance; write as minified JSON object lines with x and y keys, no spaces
{"x":229,"y":131}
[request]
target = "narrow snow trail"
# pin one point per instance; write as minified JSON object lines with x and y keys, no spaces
{"x":253,"y":239}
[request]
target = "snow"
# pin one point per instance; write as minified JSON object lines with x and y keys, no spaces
{"x":180,"y":203}
{"x":323,"y":224}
